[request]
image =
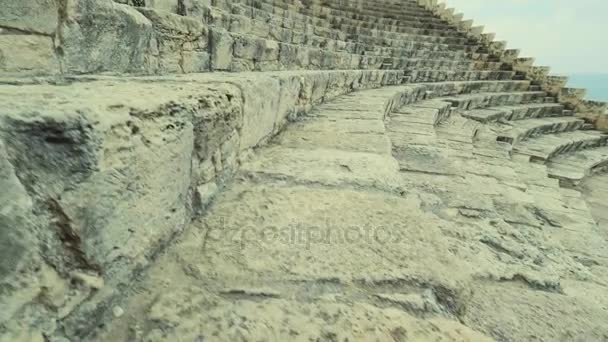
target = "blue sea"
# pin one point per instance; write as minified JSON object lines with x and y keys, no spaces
{"x":596,"y":84}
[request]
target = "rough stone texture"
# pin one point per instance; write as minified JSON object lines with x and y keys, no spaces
{"x":22,"y":54}
{"x":35,"y":16}
{"x":323,"y":241}
{"x":457,"y":198}
{"x":101,"y":36}
{"x":87,"y":180}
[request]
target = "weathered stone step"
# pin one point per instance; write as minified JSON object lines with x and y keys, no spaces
{"x":329,"y":13}
{"x":440,"y":64}
{"x":333,"y":29}
{"x":408,"y":8}
{"x":316,"y":35}
{"x":529,"y":128}
{"x":285,"y":31}
{"x":572,"y":168}
{"x":518,"y":112}
{"x":333,"y":7}
{"x":546,"y":147}
{"x":252,"y":53}
{"x":298,"y":12}
{"x":454,"y":89}
{"x":415,"y":76}
{"x":379,"y":13}
{"x":428,"y":112}
{"x":256,"y":53}
{"x":469,"y":102}
{"x":363,"y":25}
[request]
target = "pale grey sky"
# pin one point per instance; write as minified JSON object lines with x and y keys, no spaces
{"x":570,"y":36}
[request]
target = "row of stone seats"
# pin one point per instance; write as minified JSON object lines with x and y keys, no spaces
{"x":540,"y":130}
{"x":245,"y":20}
{"x":265,"y":41}
{"x":379,"y":13}
{"x":572,"y":168}
{"x":250,"y":51}
{"x":343,"y":20}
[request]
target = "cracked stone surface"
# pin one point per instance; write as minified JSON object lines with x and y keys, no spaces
{"x":278,"y":170}
{"x":357,"y":246}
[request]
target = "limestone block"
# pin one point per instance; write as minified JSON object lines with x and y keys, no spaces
{"x":102,"y":35}
{"x":288,"y":55}
{"x":315,"y":58}
{"x":34,"y":16}
{"x":240,"y":24}
{"x":554,"y":84}
{"x":163,"y":5}
{"x":298,"y":38}
{"x":269,"y":50}
{"x":219,"y":116}
{"x":280,"y":34}
{"x":303,"y":57}
{"x":242,"y":65}
{"x":260,"y":106}
{"x":27,"y":55}
{"x":522,"y":64}
{"x":245,"y":46}
{"x":538,"y":73}
{"x":239,"y":9}
{"x":571,"y":97}
{"x":222,"y":4}
{"x":289,"y":99}
{"x":218,"y":18}
{"x":221,"y":49}
{"x":594,"y":111}
{"x":261,"y":16}
{"x":260,"y":28}
{"x":510,"y":55}
{"x":194,"y":8}
{"x":182,"y":42}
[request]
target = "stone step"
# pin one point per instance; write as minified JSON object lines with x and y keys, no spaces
{"x":338,"y":8}
{"x":572,"y":168}
{"x":403,"y":8}
{"x":517,"y":112}
{"x":405,"y":33}
{"x":426,"y":75}
{"x":285,"y":31}
{"x":255,"y":53}
{"x":546,"y":147}
{"x":320,"y":36}
{"x":357,"y":25}
{"x":484,"y":100}
{"x":521,"y":130}
{"x":251,"y":53}
{"x":455,"y":89}
{"x":441,"y":64}
{"x":424,"y":18}
{"x":430,"y":112}
{"x":321,"y":12}
{"x":329,"y":13}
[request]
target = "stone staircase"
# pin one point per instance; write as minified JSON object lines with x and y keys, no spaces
{"x":291,"y":170}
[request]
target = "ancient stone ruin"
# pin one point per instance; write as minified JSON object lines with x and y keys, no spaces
{"x":278,"y":170}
